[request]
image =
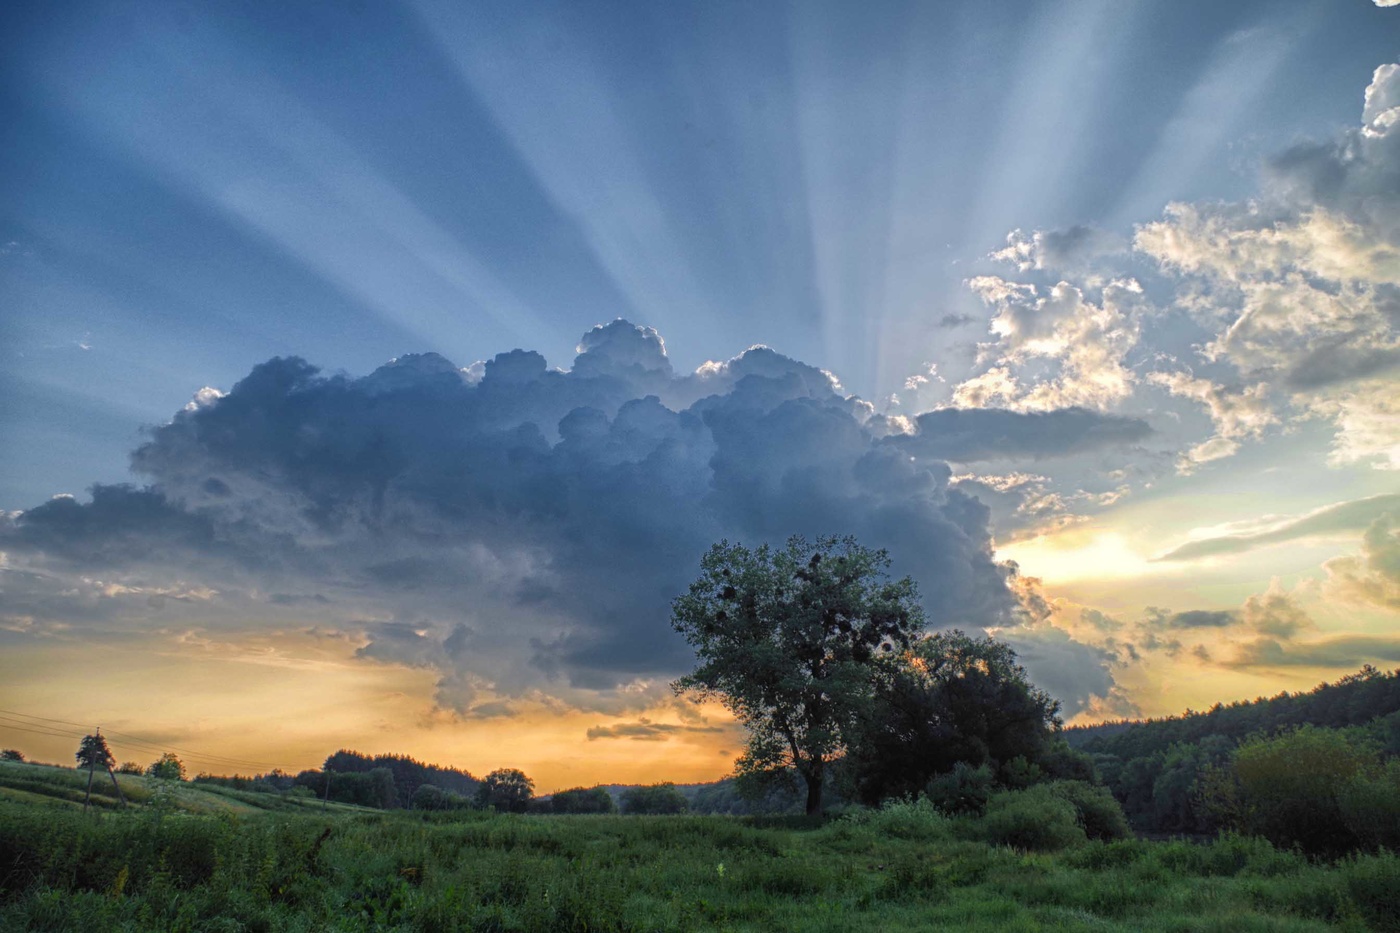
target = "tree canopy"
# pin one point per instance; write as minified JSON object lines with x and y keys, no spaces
{"x":949,"y":698}
{"x":167,"y":767}
{"x":506,"y":789}
{"x":787,"y":640}
{"x":93,"y":753}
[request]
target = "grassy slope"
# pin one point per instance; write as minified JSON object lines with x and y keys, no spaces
{"x":902,"y":870}
{"x":66,"y":787}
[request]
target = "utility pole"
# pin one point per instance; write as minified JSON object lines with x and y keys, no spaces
{"x":92,"y":765}
{"x":120,"y":796}
{"x":326,"y":800}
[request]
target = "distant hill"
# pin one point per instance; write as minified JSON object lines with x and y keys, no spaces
{"x":1352,"y":701}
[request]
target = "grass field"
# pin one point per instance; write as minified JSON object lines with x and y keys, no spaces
{"x":217,"y":862}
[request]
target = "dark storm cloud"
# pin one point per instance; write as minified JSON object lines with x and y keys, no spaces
{"x":967,"y":435}
{"x":521,"y":530}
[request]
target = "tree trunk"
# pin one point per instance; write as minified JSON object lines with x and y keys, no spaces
{"x":814,"y":791}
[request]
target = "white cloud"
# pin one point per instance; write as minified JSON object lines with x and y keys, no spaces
{"x":1300,"y":289}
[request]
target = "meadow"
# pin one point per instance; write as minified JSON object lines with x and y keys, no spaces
{"x":183,"y":858}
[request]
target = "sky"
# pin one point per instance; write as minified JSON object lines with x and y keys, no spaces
{"x":374,"y":374}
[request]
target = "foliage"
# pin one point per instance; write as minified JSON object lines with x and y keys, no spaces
{"x":902,"y":868}
{"x":964,"y":789}
{"x":1176,"y":775}
{"x":1096,"y":811}
{"x":429,"y":797}
{"x":583,"y":800}
{"x":1289,"y":785}
{"x":167,"y":767}
{"x":787,"y":639}
{"x":949,"y":698}
{"x":1353,"y":700}
{"x":408,"y":773}
{"x":1370,"y":805}
{"x":373,"y":788}
{"x":130,"y":767}
{"x":656,"y":800}
{"x":508,"y":790}
{"x":1037,"y":818}
{"x":94,"y":754}
{"x":1374,"y":884}
{"x":11,"y":754}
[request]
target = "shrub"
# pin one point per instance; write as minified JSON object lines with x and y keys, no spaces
{"x":1374,"y":884}
{"x":902,"y":819}
{"x":1037,"y":818}
{"x":1289,"y":785}
{"x":1097,"y":812}
{"x":1370,"y":805}
{"x":965,"y":789}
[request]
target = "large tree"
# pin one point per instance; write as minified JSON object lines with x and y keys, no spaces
{"x":506,"y":789}
{"x":788,"y":640}
{"x":949,"y":698}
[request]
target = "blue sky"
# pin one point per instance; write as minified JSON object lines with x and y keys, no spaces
{"x":948,"y":207}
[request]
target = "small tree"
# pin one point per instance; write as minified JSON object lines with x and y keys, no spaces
{"x":130,"y":767}
{"x":167,"y":767}
{"x":93,"y":753}
{"x":506,"y":789}
{"x":11,"y":754}
{"x":787,"y":640}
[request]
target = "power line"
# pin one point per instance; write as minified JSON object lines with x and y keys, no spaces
{"x":19,"y":720}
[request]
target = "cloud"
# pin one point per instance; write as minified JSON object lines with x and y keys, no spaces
{"x":1237,"y":413}
{"x":1329,"y":520}
{"x":1059,"y":250}
{"x":1342,"y":651}
{"x":516,"y":529}
{"x":1373,"y":577}
{"x":966,"y":435}
{"x":1300,"y":288}
{"x":644,"y":730}
{"x":1084,"y":335}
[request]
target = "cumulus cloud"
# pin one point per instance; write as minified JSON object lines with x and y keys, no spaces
{"x":1329,"y":520}
{"x":1373,"y":577}
{"x":1300,"y":287}
{"x":518,"y":529}
{"x":1073,"y":249}
{"x":1083,"y":336}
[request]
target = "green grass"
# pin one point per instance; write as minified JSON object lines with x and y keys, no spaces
{"x":905,"y":868}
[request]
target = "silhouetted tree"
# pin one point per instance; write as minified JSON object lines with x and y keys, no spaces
{"x":93,"y":753}
{"x":130,"y":767}
{"x":658,"y":799}
{"x":11,"y":754}
{"x":506,"y":789}
{"x":950,"y":699}
{"x":167,"y":767}
{"x":583,"y":800}
{"x":787,"y":640}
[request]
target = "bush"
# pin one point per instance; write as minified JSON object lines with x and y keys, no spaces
{"x":1374,"y":884}
{"x":1097,"y":812}
{"x":1037,"y":818}
{"x":1289,"y":786}
{"x":965,"y":789}
{"x":655,"y":800}
{"x":1370,"y":805}
{"x":903,"y":819}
